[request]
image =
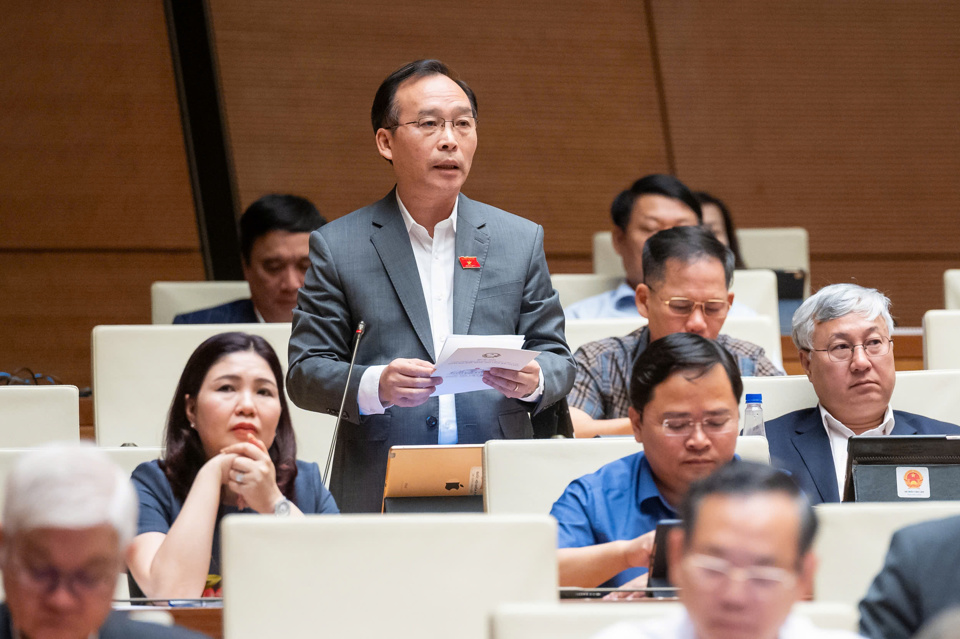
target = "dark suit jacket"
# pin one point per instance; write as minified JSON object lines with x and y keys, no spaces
{"x":363,"y":267}
{"x":919,"y":580}
{"x":236,"y":312}
{"x":799,"y":443}
{"x":117,"y":626}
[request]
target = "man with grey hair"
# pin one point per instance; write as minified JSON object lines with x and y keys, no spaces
{"x":843,"y":335}
{"x":68,"y":517}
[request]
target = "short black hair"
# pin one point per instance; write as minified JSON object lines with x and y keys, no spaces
{"x":677,"y":352}
{"x":705,"y":198}
{"x":655,"y":184}
{"x":687,"y":244}
{"x":744,"y":478}
{"x":383,"y":114}
{"x":290,"y":213}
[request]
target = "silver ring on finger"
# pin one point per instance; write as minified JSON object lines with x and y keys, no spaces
{"x":238,"y":477}
{"x":517,"y":387}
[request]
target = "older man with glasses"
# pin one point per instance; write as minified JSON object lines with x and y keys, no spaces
{"x":741,"y":559}
{"x":68,"y":517}
{"x":684,"y":393}
{"x":685,"y":289}
{"x":843,"y":336}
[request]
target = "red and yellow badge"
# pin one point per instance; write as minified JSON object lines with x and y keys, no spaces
{"x":913,"y":479}
{"x":469,"y":262}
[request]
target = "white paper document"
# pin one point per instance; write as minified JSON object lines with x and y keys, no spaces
{"x":464,"y":358}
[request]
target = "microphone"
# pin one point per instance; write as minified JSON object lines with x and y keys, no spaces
{"x":361,"y":327}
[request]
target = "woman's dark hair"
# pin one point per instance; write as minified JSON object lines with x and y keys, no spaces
{"x":677,"y":352}
{"x":383,"y":114}
{"x":705,"y":198}
{"x":184,"y":454}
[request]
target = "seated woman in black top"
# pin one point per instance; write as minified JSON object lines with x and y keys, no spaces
{"x":230,"y":448}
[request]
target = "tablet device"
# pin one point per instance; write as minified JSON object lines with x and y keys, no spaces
{"x":659,"y":572}
{"x":434,"y":471}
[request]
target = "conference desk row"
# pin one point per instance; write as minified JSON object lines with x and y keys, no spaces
{"x":908,"y":350}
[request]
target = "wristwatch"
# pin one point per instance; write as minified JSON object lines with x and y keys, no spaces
{"x":282,"y":508}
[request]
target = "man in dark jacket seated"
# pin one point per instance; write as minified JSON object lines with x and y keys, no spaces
{"x":68,"y":518}
{"x":843,"y":335}
{"x":275,"y":246}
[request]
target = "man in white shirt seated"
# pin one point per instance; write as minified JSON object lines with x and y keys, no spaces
{"x":652,"y":204}
{"x":741,"y":559}
{"x":843,"y":333}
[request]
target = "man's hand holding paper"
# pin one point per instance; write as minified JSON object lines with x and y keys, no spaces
{"x":477,"y":362}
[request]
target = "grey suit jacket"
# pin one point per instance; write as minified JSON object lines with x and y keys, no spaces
{"x":799,"y":443}
{"x":919,"y":579}
{"x":363,"y":267}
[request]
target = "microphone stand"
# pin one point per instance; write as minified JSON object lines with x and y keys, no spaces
{"x":343,"y":402}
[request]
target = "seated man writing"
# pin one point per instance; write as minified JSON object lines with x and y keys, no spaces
{"x":684,"y":393}
{"x":686,"y":288}
{"x":843,"y":335}
{"x":741,"y":560}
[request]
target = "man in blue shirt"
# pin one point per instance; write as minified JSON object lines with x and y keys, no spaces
{"x":684,"y":393}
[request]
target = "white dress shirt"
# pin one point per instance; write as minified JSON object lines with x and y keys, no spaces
{"x":839,"y":434}
{"x":436,"y":261}
{"x":679,"y":626}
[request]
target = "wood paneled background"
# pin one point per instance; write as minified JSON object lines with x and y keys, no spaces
{"x":840,"y":117}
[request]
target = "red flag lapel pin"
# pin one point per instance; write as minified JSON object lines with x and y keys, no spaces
{"x":469,"y":262}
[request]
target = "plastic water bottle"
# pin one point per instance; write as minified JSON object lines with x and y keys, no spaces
{"x":753,"y":415}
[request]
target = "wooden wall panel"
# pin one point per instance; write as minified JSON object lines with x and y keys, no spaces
{"x":839,"y":117}
{"x":568,"y":107}
{"x":913,"y":286}
{"x":95,"y":199}
{"x":91,"y":151}
{"x":56,"y":298}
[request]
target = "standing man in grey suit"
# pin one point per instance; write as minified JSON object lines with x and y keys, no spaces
{"x":423,"y":263}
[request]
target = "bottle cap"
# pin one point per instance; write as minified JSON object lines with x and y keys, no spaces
{"x":754,"y":398}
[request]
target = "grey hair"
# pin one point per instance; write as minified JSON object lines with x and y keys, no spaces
{"x":835,"y":301}
{"x":69,"y":486}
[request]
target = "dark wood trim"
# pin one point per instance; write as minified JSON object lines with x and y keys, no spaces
{"x":205,"y":136}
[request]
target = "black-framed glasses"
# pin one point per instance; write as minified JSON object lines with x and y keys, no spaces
{"x":80,"y":583}
{"x":430,"y":125}
{"x":843,"y":351}
{"x":685,"y":426}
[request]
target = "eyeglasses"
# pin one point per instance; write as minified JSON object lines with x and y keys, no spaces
{"x":430,"y":125}
{"x":715,"y":572}
{"x":685,"y":427}
{"x":843,"y":352}
{"x":683,"y":306}
{"x":79,"y":583}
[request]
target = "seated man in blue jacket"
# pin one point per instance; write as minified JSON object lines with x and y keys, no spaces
{"x":684,"y":392}
{"x":275,"y":247}
{"x":843,"y":335}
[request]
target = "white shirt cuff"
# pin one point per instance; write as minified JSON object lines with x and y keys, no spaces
{"x":368,"y":396}
{"x":535,"y":395}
